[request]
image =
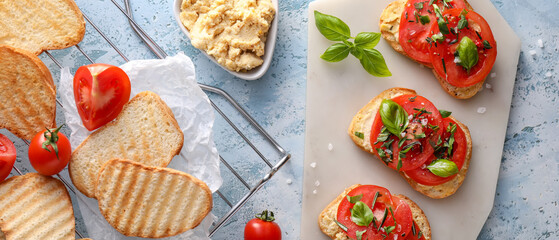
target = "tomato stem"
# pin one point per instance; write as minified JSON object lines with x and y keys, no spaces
{"x":265,"y":217}
{"x":51,"y":136}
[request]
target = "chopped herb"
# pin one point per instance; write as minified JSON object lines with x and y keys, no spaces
{"x":418,"y":5}
{"x":463,"y":23}
{"x":419,"y":235}
{"x":420,"y":136}
{"x":453,"y":41}
{"x":439,"y":37}
{"x":399,"y":165}
{"x":429,"y":11}
{"x":424,"y":19}
{"x":406,"y":15}
{"x":359,"y":234}
{"x":444,"y":113}
{"x":420,"y":112}
{"x":412,"y":99}
{"x":413,"y":231}
{"x":383,"y":135}
{"x":387,"y":144}
{"x":478,"y":35}
{"x":401,"y":142}
{"x":486,"y":44}
{"x":416,"y":16}
{"x":355,"y":198}
{"x":407,"y":148}
{"x":409,"y":40}
{"x":360,"y":135}
{"x":383,"y":219}
{"x":444,"y":65}
{"x":431,"y":2}
{"x":434,"y":127}
{"x":389,"y":229}
{"x":377,"y":194}
{"x":343,"y":227}
{"x":429,"y":40}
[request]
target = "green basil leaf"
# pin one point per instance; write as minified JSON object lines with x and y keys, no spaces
{"x":424,"y":19}
{"x":443,"y":27}
{"x":331,"y":27}
{"x":361,"y":214}
{"x":463,"y":23}
{"x":393,"y":116}
{"x":373,"y":62}
{"x":355,"y":198}
{"x":467,"y":53}
{"x":443,"y":168}
{"x":359,"y":234}
{"x":336,"y":52}
{"x":444,"y":113}
{"x":367,"y":39}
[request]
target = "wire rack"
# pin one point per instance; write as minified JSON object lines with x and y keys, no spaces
{"x":273,"y":165}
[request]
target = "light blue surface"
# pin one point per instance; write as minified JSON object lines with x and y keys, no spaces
{"x":526,"y":200}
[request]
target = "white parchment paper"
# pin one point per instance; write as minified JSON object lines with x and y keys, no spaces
{"x":174,"y":80}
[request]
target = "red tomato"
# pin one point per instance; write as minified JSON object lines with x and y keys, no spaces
{"x":413,"y":34}
{"x":8,"y":155}
{"x":420,"y":122}
{"x":53,"y":160}
{"x":100,"y":91}
{"x":263,"y":227}
{"x":478,"y":31}
{"x":401,"y":212}
{"x":459,"y":149}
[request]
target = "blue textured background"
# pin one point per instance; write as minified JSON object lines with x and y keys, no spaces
{"x":526,"y":200}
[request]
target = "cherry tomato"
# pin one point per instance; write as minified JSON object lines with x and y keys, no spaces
{"x":100,"y":91}
{"x":49,"y":151}
{"x":398,"y":214}
{"x":424,"y":116}
{"x":263,"y":227}
{"x":443,"y":54}
{"x":8,"y":155}
{"x":413,"y":32}
{"x":458,"y":156}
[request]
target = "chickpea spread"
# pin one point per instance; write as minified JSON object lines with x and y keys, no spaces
{"x":232,"y":31}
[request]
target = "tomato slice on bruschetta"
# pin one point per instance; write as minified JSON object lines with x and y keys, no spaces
{"x":412,"y":147}
{"x":454,"y":135}
{"x":465,"y":54}
{"x":371,"y":212}
{"x":415,"y":22}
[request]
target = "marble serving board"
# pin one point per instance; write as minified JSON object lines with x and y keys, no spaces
{"x":336,"y":91}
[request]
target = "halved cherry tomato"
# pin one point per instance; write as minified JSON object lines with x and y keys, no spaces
{"x":424,"y":115}
{"x":263,"y":227}
{"x":401,"y":213}
{"x":413,"y":33}
{"x":49,"y":151}
{"x":100,"y":91}
{"x":458,"y":156}
{"x":8,"y":156}
{"x":443,"y":54}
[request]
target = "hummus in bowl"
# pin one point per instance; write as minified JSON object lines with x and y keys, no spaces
{"x":238,"y":35}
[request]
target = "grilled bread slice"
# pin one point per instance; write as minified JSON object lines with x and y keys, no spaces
{"x":37,"y":25}
{"x":33,"y":206}
{"x":150,"y":202}
{"x":363,"y":121}
{"x":145,"y":131}
{"x":27,"y":91}
{"x":389,"y":28}
{"x":329,"y":227}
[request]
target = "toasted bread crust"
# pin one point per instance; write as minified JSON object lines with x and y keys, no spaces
{"x":27,"y":91}
{"x":331,"y":229}
{"x":389,"y":25}
{"x":370,"y":110}
{"x":140,"y":200}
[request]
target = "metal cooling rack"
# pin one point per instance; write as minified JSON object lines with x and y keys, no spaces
{"x":273,"y":166}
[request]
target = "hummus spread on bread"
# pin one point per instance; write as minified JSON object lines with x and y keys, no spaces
{"x":232,"y":31}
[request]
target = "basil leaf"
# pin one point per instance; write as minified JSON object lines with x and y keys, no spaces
{"x":463,"y":23}
{"x":444,"y":113}
{"x":331,"y":27}
{"x":367,"y":40}
{"x":359,"y":234}
{"x":336,"y":52}
{"x":467,"y":53}
{"x":361,"y":214}
{"x":443,"y":168}
{"x":418,"y":5}
{"x":393,"y":116}
{"x":355,"y":198}
{"x":424,"y":19}
{"x":486,"y":44}
{"x":372,"y":61}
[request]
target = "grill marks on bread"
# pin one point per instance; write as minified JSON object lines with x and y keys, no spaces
{"x":34,"y":206}
{"x":27,"y":91}
{"x":154,"y":202}
{"x":145,"y":131}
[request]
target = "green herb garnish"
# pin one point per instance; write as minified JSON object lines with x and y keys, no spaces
{"x":343,"y":227}
{"x":359,"y":234}
{"x":361,"y":214}
{"x":394,"y":117}
{"x":355,"y":198}
{"x":424,"y":19}
{"x":443,"y":168}
{"x":467,"y":53}
{"x":444,"y":113}
{"x":362,"y":47}
{"x":486,"y":44}
{"x":360,"y":135}
{"x":463,"y":23}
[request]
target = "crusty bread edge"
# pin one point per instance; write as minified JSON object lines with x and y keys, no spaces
{"x":436,"y":192}
{"x":46,"y":76}
{"x":79,"y":185}
{"x":448,"y":188}
{"x":194,"y":180}
{"x":397,"y":7}
{"x":331,"y":229}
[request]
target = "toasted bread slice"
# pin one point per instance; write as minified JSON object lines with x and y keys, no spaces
{"x":151,"y":202}
{"x":33,"y":206}
{"x":38,"y":25}
{"x":363,"y":121}
{"x":145,"y":131}
{"x":389,"y":25}
{"x":27,"y":91}
{"x":329,"y":227}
